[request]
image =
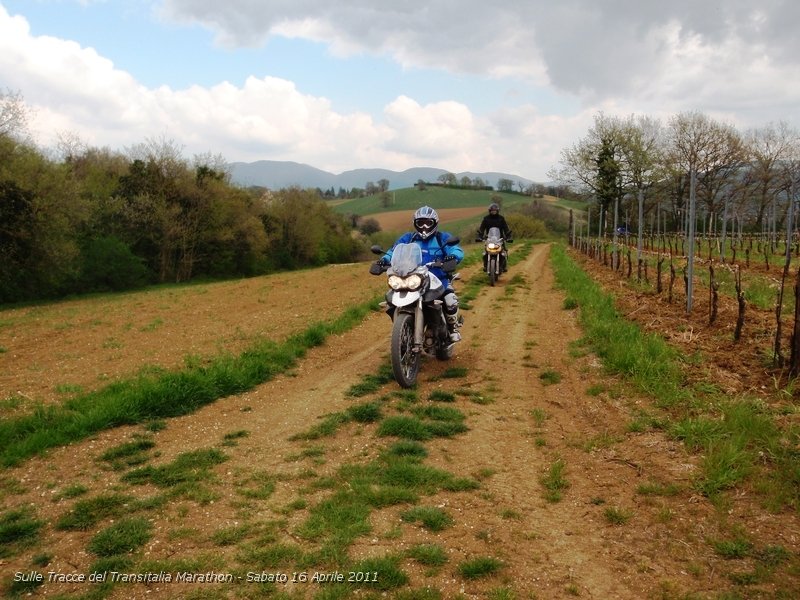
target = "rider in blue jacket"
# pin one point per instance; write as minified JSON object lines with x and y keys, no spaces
{"x":431,"y":241}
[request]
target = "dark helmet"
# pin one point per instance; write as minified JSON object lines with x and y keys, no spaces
{"x":494,"y":208}
{"x":426,"y":221}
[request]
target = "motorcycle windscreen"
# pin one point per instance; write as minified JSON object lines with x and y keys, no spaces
{"x":406,"y":258}
{"x":494,"y":234}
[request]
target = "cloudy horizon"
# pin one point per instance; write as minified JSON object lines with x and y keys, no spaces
{"x":370,"y":84}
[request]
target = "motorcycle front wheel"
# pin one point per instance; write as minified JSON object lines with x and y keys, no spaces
{"x":492,"y":270}
{"x":405,"y":362}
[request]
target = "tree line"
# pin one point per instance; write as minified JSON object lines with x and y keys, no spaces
{"x":91,"y":219}
{"x":743,"y":181}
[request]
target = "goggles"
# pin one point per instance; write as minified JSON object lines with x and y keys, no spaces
{"x":424,"y":223}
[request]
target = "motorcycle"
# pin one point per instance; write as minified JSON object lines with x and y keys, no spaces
{"x":414,"y":303}
{"x":494,"y":256}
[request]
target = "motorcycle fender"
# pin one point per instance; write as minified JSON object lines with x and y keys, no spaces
{"x":403,"y":298}
{"x":432,"y":295}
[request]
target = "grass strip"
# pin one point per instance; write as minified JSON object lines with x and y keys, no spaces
{"x":645,"y":359}
{"x":164,"y":394}
{"x":739,"y":438}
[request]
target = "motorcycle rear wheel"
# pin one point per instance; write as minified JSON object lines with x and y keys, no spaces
{"x":405,"y":362}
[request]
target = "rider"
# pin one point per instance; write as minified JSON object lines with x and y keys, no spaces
{"x":432,"y":242}
{"x":495,"y":219}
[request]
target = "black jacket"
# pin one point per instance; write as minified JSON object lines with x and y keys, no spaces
{"x":498,"y":221}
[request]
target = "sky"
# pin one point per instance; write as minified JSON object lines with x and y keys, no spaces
{"x":465,"y":86}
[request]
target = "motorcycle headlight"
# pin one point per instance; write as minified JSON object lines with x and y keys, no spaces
{"x":493,"y":246}
{"x":395,"y":282}
{"x":412,"y":282}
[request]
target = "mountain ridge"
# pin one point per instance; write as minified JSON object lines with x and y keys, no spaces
{"x":275,"y":175}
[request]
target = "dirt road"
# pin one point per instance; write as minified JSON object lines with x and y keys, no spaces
{"x":532,"y":399}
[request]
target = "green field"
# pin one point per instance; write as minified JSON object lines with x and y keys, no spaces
{"x":437,"y":197}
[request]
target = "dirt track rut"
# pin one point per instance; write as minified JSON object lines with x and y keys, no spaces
{"x":515,"y":333}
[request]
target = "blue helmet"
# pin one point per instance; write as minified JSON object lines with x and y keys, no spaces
{"x":426,"y":222}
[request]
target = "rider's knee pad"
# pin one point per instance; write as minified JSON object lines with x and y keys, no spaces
{"x":450,"y":303}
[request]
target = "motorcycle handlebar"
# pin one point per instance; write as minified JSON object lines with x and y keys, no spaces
{"x":377,"y":268}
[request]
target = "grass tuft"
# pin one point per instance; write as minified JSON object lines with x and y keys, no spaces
{"x":479,"y":567}
{"x":550,"y":377}
{"x":554,"y":482}
{"x":430,"y":517}
{"x":616,"y":515}
{"x":124,"y":536}
{"x":187,"y":467}
{"x":90,"y":511}
{"x":442,"y":396}
{"x":380,"y":573}
{"x":18,"y":529}
{"x":365,"y":413}
{"x":431,"y":555}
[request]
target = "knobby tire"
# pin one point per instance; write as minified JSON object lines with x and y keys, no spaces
{"x":405,"y":362}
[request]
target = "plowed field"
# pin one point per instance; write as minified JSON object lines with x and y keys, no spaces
{"x":531,"y":403}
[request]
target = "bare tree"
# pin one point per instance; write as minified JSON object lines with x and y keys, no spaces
{"x":642,"y":150}
{"x":70,"y":146}
{"x":769,"y":149}
{"x":14,"y":114}
{"x":711,"y":149}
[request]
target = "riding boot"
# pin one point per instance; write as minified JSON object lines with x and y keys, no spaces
{"x":454,"y":321}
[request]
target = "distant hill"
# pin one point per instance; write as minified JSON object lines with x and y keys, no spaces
{"x":276,"y":175}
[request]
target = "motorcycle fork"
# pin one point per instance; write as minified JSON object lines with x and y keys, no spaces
{"x":419,"y":326}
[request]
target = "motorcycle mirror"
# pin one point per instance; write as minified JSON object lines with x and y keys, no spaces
{"x":377,"y":249}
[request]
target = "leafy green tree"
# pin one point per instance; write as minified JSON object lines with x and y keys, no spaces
{"x":109,"y":265}
{"x":504,"y":185}
{"x":16,"y":239}
{"x":369,"y":226}
{"x":524,"y":226}
{"x":608,"y":180}
{"x":49,"y":212}
{"x":302,"y":230}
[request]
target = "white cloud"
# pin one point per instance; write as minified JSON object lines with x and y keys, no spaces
{"x":732,"y":60}
{"x":436,"y":132}
{"x":598,"y":50}
{"x":73,"y":89}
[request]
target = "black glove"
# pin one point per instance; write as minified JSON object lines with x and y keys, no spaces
{"x":449,"y":263}
{"x":378,"y":267}
{"x":510,"y":240}
{"x":477,"y":239}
